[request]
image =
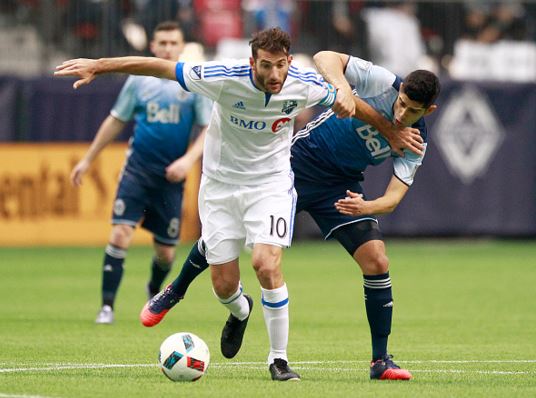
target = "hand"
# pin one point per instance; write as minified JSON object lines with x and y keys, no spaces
{"x":406,"y":138}
{"x":352,"y":205}
{"x":80,"y":67}
{"x":78,"y":172}
{"x":176,"y":171}
{"x":344,"y":105}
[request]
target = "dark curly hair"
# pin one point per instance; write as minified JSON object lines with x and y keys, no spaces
{"x":422,"y":86}
{"x":273,"y":40}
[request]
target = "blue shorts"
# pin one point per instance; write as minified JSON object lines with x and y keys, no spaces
{"x":319,"y":200}
{"x":152,"y":199}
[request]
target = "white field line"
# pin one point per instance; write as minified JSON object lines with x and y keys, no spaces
{"x":302,"y":365}
{"x":76,"y":366}
{"x":20,"y":396}
{"x":416,"y":361}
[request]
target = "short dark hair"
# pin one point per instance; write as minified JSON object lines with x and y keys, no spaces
{"x":422,"y":86}
{"x":167,"y":26}
{"x":273,"y":40}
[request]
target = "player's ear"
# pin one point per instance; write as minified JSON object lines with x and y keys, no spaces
{"x":430,"y":109}
{"x":289,"y":59}
{"x":251,"y":61}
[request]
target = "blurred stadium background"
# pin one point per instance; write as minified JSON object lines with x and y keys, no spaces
{"x":479,"y":175}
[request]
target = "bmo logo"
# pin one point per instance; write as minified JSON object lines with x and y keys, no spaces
{"x":248,"y":124}
{"x":280,"y":123}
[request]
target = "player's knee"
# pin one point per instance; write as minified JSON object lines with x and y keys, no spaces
{"x":376,"y":265}
{"x":224,"y":288}
{"x":266,"y":265}
{"x":165,"y":256}
{"x":121,"y":235}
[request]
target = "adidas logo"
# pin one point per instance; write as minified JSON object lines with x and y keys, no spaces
{"x":239,"y":105}
{"x":389,"y":304}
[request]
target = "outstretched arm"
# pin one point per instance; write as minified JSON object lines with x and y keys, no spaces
{"x":88,"y":69}
{"x":355,"y":205}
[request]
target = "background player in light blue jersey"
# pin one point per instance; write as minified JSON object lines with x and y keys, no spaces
{"x":329,"y":157}
{"x":158,"y":160}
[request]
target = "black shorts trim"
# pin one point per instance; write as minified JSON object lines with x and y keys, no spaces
{"x":353,"y":235}
{"x":164,"y":243}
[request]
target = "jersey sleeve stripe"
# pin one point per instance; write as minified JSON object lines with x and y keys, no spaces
{"x":212,"y":68}
{"x":307,"y":79}
{"x":301,"y":72}
{"x":329,"y":99}
{"x":226,"y":74}
{"x":179,"y":74}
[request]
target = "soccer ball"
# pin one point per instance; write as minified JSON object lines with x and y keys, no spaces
{"x":183,"y":357}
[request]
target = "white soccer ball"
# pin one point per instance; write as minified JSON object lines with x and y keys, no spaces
{"x":183,"y":357}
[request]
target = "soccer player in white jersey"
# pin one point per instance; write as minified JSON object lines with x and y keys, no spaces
{"x":247,"y":194}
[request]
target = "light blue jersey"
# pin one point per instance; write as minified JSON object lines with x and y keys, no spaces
{"x":164,"y":114}
{"x":331,"y":150}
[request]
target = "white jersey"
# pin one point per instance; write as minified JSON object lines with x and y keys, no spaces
{"x":249,"y":135}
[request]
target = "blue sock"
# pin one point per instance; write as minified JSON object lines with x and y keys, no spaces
{"x":379,"y":306}
{"x":159,"y":271}
{"x":193,"y":266}
{"x":112,"y":272}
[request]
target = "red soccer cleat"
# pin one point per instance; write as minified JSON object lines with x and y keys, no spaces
{"x":386,"y":369}
{"x":157,"y":307}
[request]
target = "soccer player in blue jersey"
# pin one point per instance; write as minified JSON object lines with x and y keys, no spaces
{"x":158,"y":160}
{"x":247,"y":194}
{"x":329,"y":157}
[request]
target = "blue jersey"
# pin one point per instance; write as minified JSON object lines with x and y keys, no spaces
{"x":164,"y":114}
{"x":331,"y":150}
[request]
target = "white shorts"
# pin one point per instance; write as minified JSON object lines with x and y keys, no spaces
{"x":234,"y":215}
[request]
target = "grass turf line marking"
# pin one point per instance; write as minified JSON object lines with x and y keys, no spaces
{"x":297,"y":365}
{"x":74,"y":367}
{"x":2,"y":395}
{"x":403,"y":361}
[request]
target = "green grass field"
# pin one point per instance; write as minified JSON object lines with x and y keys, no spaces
{"x":464,"y":324}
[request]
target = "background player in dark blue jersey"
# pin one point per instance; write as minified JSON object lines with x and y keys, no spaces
{"x":157,"y":162}
{"x":329,"y":157}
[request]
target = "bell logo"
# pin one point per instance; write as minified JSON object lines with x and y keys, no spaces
{"x":468,"y":134}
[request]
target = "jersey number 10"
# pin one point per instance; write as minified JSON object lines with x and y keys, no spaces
{"x":278,"y":226}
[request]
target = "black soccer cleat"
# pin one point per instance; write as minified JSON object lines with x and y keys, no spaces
{"x":385,"y":369}
{"x":233,"y":332}
{"x":281,"y":372}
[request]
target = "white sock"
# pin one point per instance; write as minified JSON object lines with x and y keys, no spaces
{"x":275,"y":308}
{"x":237,"y":303}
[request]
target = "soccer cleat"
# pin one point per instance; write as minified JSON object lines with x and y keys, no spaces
{"x":105,"y":316}
{"x":233,"y":332}
{"x":385,"y":369}
{"x":281,"y":372}
{"x":157,"y":307}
